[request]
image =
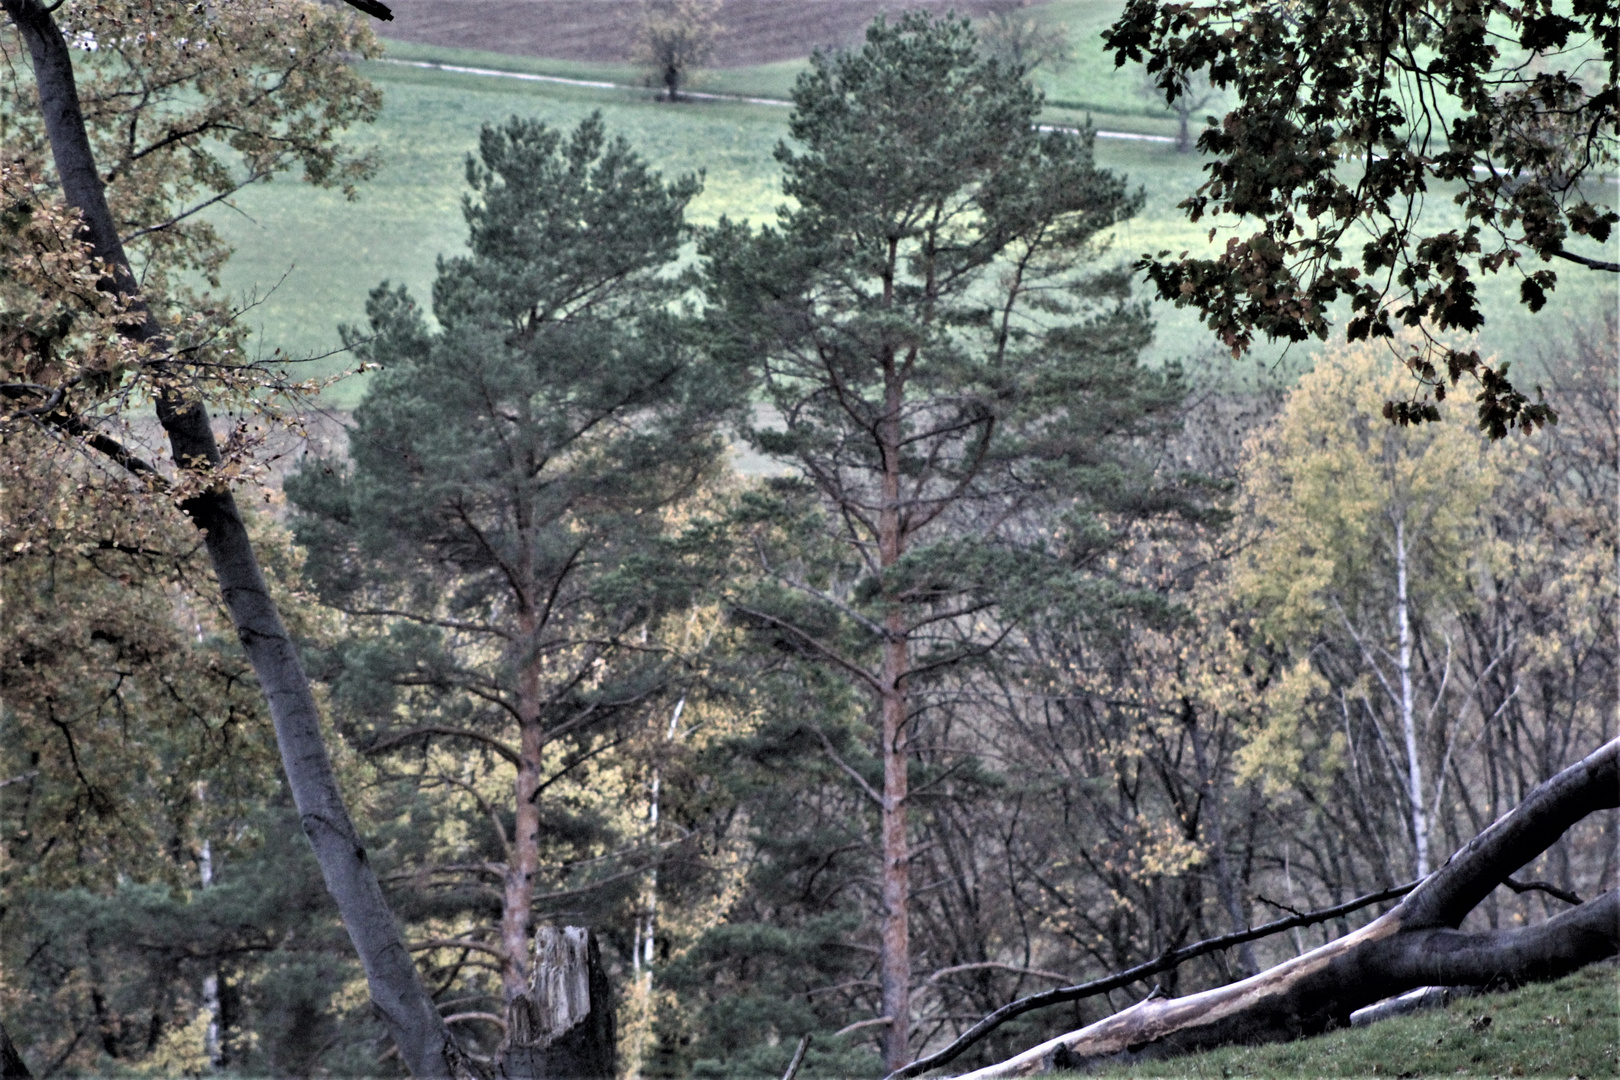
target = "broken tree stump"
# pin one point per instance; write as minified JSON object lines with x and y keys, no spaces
{"x":562,"y":1029}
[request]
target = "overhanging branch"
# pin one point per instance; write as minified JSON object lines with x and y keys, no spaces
{"x":1594,"y":264}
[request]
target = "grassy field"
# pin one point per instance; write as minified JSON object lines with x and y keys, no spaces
{"x":305,"y":259}
{"x":1569,"y":1028}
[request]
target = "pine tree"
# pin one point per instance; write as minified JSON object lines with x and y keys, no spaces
{"x":957,"y":392}
{"x":506,"y":518}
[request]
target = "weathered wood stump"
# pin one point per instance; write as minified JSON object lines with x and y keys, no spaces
{"x":562,"y":1029}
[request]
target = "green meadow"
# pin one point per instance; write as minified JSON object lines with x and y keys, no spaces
{"x":306,"y":258}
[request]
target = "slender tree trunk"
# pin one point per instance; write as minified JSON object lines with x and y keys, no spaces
{"x":895,"y":977}
{"x":213,"y":1040}
{"x":1414,"y":763}
{"x":407,"y":1012}
{"x":523,"y":859}
{"x":1209,"y":781}
{"x":642,"y":950}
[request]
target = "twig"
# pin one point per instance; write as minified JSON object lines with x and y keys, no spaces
{"x":459,"y":943}
{"x":1543,"y":886}
{"x":1279,"y":907}
{"x":395,"y":738}
{"x":848,"y":769}
{"x":798,"y":1058}
{"x":1595,"y":264}
{"x":991,"y":965}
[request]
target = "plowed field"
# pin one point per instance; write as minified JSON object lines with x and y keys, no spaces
{"x":756,"y":31}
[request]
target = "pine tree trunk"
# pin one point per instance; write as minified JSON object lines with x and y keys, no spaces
{"x":523,"y":855}
{"x":895,"y":977}
{"x":404,"y":1006}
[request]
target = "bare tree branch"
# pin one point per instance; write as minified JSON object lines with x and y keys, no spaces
{"x":395,"y":738}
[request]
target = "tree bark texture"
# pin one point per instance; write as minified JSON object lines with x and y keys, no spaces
{"x":562,"y":1024}
{"x":1415,"y":944}
{"x":523,"y":853}
{"x":408,"y":1013}
{"x":895,"y":976}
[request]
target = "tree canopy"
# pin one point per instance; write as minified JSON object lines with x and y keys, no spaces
{"x":1349,"y":119}
{"x":508,"y":512}
{"x":1005,"y":662}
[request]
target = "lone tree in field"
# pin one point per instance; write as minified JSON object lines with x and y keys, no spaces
{"x":1022,"y":41}
{"x":1194,"y":96}
{"x":957,"y":393}
{"x":675,"y":38}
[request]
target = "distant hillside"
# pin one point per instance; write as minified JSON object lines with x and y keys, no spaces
{"x":757,"y":31}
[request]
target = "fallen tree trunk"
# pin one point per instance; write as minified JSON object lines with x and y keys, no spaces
{"x":1415,"y":944}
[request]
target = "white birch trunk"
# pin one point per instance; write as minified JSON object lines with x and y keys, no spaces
{"x":642,"y":953}
{"x":210,"y":987}
{"x":1414,"y":764}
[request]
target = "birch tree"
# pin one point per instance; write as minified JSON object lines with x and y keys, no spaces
{"x":1366,"y":539}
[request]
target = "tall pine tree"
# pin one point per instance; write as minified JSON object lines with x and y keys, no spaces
{"x":505,"y":514}
{"x":957,"y":391}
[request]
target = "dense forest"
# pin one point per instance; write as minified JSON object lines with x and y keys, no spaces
{"x":1019,"y":661}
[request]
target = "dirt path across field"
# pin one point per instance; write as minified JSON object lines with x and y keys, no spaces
{"x":756,"y":31}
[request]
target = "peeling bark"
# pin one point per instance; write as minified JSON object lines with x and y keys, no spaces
{"x":1415,"y":944}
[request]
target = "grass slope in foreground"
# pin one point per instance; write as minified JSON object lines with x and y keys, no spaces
{"x":1568,"y":1028}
